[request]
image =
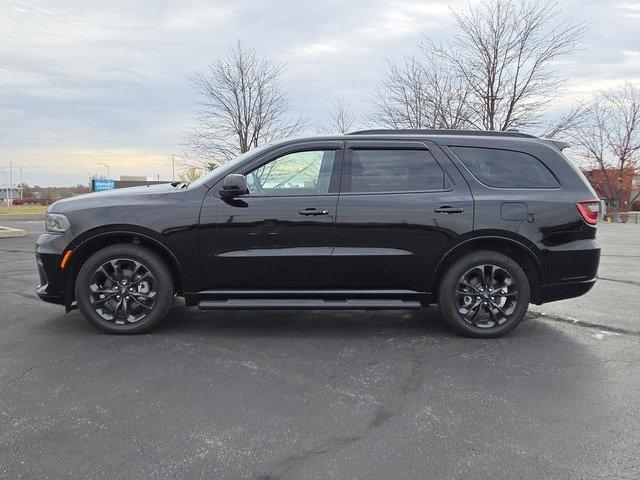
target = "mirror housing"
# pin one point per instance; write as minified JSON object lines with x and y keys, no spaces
{"x":234,"y":185}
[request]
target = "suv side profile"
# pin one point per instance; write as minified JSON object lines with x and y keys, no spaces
{"x":481,"y":223}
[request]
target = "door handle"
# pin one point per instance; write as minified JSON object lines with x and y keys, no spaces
{"x":446,"y":210}
{"x":313,"y":212}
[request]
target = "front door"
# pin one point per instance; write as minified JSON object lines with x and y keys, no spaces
{"x":401,"y":205}
{"x":279,"y":235}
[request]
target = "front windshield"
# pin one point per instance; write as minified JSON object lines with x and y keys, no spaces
{"x":224,"y":168}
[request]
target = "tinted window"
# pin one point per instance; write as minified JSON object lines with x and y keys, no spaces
{"x":395,"y":171}
{"x":506,"y":168}
{"x":299,"y":173}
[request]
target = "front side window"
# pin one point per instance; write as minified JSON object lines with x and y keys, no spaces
{"x":506,"y":168}
{"x":298,"y":173}
{"x":395,"y":171}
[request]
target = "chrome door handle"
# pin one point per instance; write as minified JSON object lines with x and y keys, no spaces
{"x":446,"y":210}
{"x":313,"y":212}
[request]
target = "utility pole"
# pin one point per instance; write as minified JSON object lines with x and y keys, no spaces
{"x":10,"y":182}
{"x":105,"y":165}
{"x":6,"y":185}
{"x":173,"y":167}
{"x":21,"y":186}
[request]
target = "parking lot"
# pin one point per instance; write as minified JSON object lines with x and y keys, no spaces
{"x":322,"y":395}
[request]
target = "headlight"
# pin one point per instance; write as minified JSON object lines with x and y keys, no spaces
{"x":56,"y":223}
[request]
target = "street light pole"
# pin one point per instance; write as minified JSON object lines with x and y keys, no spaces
{"x":21,"y":186}
{"x":6,"y":185}
{"x":105,"y":165}
{"x":11,"y":182}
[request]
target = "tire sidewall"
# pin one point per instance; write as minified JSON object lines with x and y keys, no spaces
{"x":164,"y":287}
{"x":446,"y":293}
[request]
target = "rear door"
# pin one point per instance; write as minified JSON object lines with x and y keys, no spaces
{"x":401,"y":206}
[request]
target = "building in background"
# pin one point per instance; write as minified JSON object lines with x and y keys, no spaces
{"x":618,"y":191}
{"x":13,"y":193}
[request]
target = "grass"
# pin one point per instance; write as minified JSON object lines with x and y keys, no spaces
{"x":20,"y":209}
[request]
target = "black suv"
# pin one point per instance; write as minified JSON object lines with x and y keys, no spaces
{"x":482,"y":223}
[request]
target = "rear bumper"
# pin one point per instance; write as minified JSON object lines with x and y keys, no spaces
{"x":570,"y":270}
{"x":562,"y":291}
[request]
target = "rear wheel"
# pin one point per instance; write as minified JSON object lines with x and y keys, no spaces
{"x":124,"y":288}
{"x":484,"y":294}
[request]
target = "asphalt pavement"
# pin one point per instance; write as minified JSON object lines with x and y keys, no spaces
{"x":322,"y":395}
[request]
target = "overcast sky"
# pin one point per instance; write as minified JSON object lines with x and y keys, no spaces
{"x":107,"y":81}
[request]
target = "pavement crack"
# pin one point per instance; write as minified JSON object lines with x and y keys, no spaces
{"x":626,"y":282}
{"x":581,"y":323}
{"x":407,"y":390}
{"x":28,"y":370}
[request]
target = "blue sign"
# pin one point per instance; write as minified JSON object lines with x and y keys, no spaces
{"x":102,"y":184}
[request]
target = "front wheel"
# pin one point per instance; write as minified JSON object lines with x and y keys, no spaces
{"x":124,"y":288}
{"x":484,"y":294}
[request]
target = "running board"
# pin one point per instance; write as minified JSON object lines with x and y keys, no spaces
{"x":306,"y":304}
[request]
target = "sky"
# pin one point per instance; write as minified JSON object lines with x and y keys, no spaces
{"x":85,"y":83}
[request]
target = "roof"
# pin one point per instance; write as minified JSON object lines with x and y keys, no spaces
{"x":470,"y":133}
{"x":508,"y":134}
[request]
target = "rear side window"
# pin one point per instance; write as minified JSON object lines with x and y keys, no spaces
{"x":395,"y":171}
{"x":506,"y":168}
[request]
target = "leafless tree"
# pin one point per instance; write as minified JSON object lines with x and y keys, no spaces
{"x":609,"y":142}
{"x":420,"y":92}
{"x":564,"y":124}
{"x":497,"y":73}
{"x":340,"y":119}
{"x":243,"y":105}
{"x":505,"y":50}
{"x":190,"y":174}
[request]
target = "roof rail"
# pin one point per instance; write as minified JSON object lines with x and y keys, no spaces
{"x":479,"y":133}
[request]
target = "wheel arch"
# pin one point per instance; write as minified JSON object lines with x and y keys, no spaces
{"x":513,"y":248}
{"x":93,"y":241}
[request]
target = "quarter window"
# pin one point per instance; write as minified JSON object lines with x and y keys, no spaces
{"x":506,"y":168}
{"x":299,"y":173}
{"x":395,"y":171}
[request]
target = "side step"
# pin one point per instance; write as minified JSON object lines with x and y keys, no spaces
{"x":305,"y":304}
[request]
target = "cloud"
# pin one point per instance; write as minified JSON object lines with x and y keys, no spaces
{"x":82,"y":82}
{"x":631,"y":10}
{"x":401,"y":19}
{"x":316,"y":48}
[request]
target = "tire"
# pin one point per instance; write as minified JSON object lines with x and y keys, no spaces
{"x":464,"y":275}
{"x":151,"y":286}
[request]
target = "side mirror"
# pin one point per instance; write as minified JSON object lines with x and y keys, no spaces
{"x":234,"y":185}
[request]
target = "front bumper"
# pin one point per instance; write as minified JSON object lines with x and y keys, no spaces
{"x":53,"y":280}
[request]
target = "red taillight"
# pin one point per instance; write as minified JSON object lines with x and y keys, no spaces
{"x":589,"y":211}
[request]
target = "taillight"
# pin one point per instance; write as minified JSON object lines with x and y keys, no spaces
{"x":589,"y":211}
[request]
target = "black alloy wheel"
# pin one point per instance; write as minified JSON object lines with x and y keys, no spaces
{"x":122,"y":291}
{"x":487,"y":296}
{"x":124,"y":288}
{"x":484,"y":294}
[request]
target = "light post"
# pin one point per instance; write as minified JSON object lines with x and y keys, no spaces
{"x":10,"y":202}
{"x":21,"y":186}
{"x":6,"y":185}
{"x":105,"y":165}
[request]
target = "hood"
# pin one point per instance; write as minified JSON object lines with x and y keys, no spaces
{"x":108,"y":196}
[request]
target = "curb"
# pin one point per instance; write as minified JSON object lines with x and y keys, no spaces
{"x":6,"y":232}
{"x":22,"y":216}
